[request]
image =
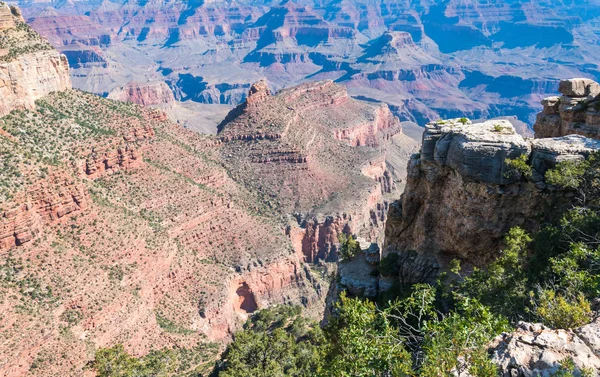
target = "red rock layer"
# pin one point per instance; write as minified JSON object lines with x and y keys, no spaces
{"x":48,"y":202}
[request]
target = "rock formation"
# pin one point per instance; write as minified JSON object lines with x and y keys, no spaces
{"x":29,"y":67}
{"x":146,"y":94}
{"x":119,"y":226}
{"x":461,"y":196}
{"x":577,"y":111}
{"x":535,"y":350}
{"x":282,"y":145}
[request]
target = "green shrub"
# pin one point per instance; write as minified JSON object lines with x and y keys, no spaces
{"x":349,"y":247}
{"x":503,"y":286}
{"x":560,"y":312}
{"x":115,"y":362}
{"x":567,"y":368}
{"x":567,"y":174}
{"x":275,"y":342}
{"x":580,"y":176}
{"x":518,"y":167}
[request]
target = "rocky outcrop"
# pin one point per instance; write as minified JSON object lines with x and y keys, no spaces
{"x":286,"y":281}
{"x":29,"y":67}
{"x":577,"y":111}
{"x":47,"y":203}
{"x":146,"y":94}
{"x":461,"y":196}
{"x":258,"y":93}
{"x":30,"y":77}
{"x":120,"y":158}
{"x":534,"y":350}
{"x":9,"y":16}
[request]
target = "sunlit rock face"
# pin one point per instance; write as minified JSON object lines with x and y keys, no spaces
{"x":577,"y":111}
{"x":29,"y":67}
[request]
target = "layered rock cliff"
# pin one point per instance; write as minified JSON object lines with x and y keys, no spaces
{"x":577,"y":111}
{"x":281,"y":147}
{"x":29,"y":67}
{"x":462,"y":196}
{"x":146,"y":94}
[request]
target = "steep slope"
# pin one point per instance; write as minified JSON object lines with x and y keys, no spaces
{"x":314,"y":152}
{"x":117,"y":226}
{"x":121,"y":227}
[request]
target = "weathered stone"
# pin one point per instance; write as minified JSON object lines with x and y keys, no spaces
{"x":477,"y":151}
{"x":7,"y":20}
{"x":356,"y":276}
{"x":574,"y":113}
{"x":27,"y":77}
{"x":551,"y":105}
{"x":578,"y":87}
{"x":546,"y":153}
{"x":462,"y":197}
{"x":373,"y":254}
{"x":533,"y":350}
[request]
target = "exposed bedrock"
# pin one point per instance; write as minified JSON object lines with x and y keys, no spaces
{"x":285,"y":143}
{"x":30,"y":77}
{"x":146,"y":94}
{"x":48,"y":202}
{"x":461,"y":196}
{"x":535,"y":350}
{"x":577,"y":111}
{"x":286,"y":281}
{"x":30,"y":68}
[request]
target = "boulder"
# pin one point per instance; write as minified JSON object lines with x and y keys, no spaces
{"x":551,"y":105}
{"x":546,"y":153}
{"x":478,"y":151}
{"x":578,"y":87}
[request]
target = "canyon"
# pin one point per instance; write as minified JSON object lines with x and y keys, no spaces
{"x":427,"y":60}
{"x":118,"y":225}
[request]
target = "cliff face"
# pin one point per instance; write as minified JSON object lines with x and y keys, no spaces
{"x":29,"y":67}
{"x":461,"y":197}
{"x":577,"y":111}
{"x":146,"y":94}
